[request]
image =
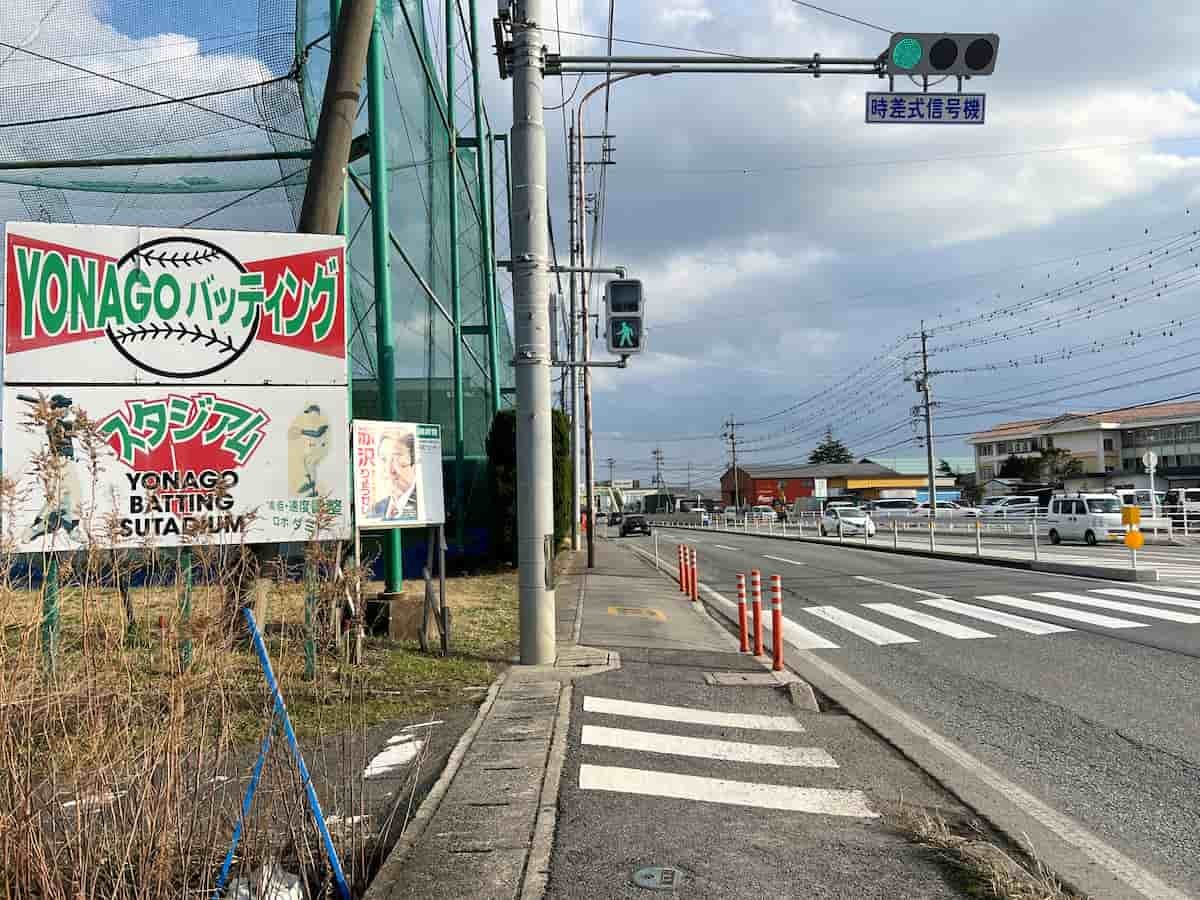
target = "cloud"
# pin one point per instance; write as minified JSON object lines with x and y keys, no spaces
{"x":684,"y":13}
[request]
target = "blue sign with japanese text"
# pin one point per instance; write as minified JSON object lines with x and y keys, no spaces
{"x":925,"y":109}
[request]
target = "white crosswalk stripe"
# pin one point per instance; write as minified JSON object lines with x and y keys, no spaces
{"x":864,"y":628}
{"x":818,"y":801}
{"x":1008,"y":620}
{"x":1061,"y":612}
{"x":1191,"y":592}
{"x":933,"y":623}
{"x":706,"y":748}
{"x":687,"y":715}
{"x":1153,"y":598}
{"x":1136,"y":609}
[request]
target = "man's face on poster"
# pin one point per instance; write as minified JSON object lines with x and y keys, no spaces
{"x":398,"y":459}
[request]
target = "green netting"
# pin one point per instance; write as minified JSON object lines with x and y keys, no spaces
{"x":191,"y":78}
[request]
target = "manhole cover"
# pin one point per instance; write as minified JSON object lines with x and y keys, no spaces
{"x":657,"y":878}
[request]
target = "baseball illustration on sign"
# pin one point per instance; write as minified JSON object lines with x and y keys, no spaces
{"x":165,"y":386}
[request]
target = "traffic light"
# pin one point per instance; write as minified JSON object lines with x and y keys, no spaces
{"x":623,"y":312}
{"x":942,"y":54}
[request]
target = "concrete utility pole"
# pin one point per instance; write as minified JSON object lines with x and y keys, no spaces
{"x":532,"y":339}
{"x":730,"y":434}
{"x":573,"y":341}
{"x":335,"y":128}
{"x":923,"y":384}
{"x":611,"y":466}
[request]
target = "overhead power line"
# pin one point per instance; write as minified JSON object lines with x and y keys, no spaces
{"x":830,"y":12}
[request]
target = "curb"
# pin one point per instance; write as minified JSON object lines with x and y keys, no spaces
{"x":537,"y":865}
{"x":1108,"y":573}
{"x":380,"y":884}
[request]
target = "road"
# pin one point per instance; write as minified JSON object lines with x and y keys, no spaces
{"x":1084,"y":692}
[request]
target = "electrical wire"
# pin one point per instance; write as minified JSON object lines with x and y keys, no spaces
{"x":830,"y":12}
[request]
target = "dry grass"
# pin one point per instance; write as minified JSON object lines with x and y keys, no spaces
{"x":985,"y":869}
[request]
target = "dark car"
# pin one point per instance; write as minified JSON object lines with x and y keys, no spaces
{"x":634,"y":523}
{"x":615,"y":518}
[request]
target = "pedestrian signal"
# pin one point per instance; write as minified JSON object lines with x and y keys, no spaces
{"x":623,"y":305}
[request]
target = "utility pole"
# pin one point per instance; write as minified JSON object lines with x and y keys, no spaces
{"x":689,"y":483}
{"x":730,"y":434}
{"x":573,"y":341}
{"x":924,"y":388}
{"x":531,"y":338}
{"x":658,"y":475}
{"x":611,"y":465}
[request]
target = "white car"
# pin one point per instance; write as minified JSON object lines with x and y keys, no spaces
{"x":978,"y":512}
{"x":762,"y":514}
{"x":945,"y":507}
{"x":846,"y":520}
{"x":1085,"y":517}
{"x":1014,"y":507}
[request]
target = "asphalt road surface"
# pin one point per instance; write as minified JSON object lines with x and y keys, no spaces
{"x":1084,"y":692}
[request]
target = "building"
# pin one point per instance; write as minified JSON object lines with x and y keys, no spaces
{"x":1107,"y":446}
{"x":787,"y":484}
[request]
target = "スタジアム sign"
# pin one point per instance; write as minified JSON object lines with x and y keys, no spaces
{"x":164,"y":387}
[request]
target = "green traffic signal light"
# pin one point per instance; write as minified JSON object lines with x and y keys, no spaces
{"x":907,"y":53}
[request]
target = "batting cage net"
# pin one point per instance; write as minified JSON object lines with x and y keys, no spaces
{"x":170,"y":84}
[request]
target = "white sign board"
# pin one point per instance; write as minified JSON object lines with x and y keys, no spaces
{"x":167,"y":386}
{"x":1149,"y":459}
{"x":925,"y":109}
{"x":397,"y":475}
{"x":164,"y":466}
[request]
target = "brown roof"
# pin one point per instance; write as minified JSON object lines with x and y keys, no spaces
{"x":1128,"y":416}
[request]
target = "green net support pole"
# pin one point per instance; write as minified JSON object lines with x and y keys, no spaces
{"x":385,"y":348}
{"x":185,"y":609}
{"x":50,"y":617}
{"x":310,"y":620}
{"x":487,"y":268}
{"x":460,"y":446}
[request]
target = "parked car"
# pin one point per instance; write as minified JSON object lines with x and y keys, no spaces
{"x":615,"y":517}
{"x":762,"y":514}
{"x":891,"y":506}
{"x":634,"y":523}
{"x":1183,"y":502}
{"x":1012,"y":507}
{"x":1085,"y":517}
{"x":846,"y":520}
{"x":1141,"y":498}
{"x":731,"y":514}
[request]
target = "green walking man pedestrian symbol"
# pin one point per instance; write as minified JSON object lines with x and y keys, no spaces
{"x":625,"y":335}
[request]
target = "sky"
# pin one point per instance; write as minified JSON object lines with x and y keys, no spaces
{"x":787,"y":248}
{"x":790,"y":252}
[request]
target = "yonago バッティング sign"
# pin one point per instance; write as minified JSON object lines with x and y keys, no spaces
{"x":397,"y":475}
{"x":164,"y":305}
{"x":164,"y":387}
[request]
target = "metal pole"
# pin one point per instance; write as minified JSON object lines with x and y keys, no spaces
{"x":573,"y":340}
{"x":487,"y":262}
{"x":50,"y":616}
{"x":497,"y":313}
{"x":385,"y":351}
{"x":355,"y":29}
{"x":584,"y":326}
{"x":531,"y":313}
{"x":460,"y":445}
{"x":185,"y":608}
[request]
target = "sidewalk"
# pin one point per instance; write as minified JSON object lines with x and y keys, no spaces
{"x":684,"y":761}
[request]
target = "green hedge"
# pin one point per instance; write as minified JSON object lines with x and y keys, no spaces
{"x":502,"y":476}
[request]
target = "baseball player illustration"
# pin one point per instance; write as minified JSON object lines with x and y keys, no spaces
{"x":61,"y":509}
{"x":308,"y":445}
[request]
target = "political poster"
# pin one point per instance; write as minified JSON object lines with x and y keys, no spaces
{"x":168,"y":386}
{"x":397,"y":475}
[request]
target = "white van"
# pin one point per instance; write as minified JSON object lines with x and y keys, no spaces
{"x":1085,"y":517}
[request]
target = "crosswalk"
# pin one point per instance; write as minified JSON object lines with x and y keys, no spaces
{"x":765,"y":750}
{"x":908,"y":619}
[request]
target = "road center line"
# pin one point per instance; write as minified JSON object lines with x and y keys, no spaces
{"x":899,"y":587}
{"x":723,"y":547}
{"x":782,"y":560}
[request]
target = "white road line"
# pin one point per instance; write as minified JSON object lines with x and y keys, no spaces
{"x":933,"y":623}
{"x":899,"y":587}
{"x":1191,"y":592}
{"x":796,"y":635}
{"x":818,"y":801}
{"x":781,"y":559}
{"x":1008,"y":620}
{"x":1062,"y":612}
{"x":868,"y":630}
{"x":723,"y":547}
{"x":1153,"y":598}
{"x":706,"y":748}
{"x":613,"y":707}
{"x":1137,"y":609}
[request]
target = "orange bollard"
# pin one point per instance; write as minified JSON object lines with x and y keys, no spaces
{"x":695,"y":578}
{"x":756,"y":604}
{"x":742,"y":633}
{"x":683,"y":588}
{"x":777,"y":622}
